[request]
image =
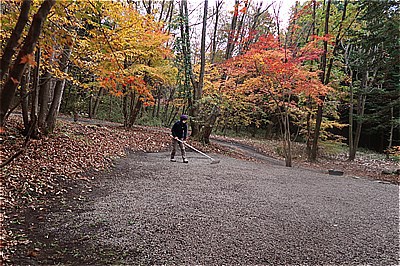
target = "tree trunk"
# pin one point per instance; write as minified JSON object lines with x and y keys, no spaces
{"x":90,"y":108}
{"x":171,"y":11}
{"x":360,"y":114}
{"x":239,"y":32}
{"x":287,"y":139}
{"x":162,"y":11}
{"x":124,"y":109}
{"x":198,"y":88}
{"x":309,"y":140}
{"x":352,"y":152}
{"x":134,"y":115}
{"x":33,"y":127}
{"x":322,"y":98}
{"x":24,"y":97}
{"x":97,"y":102}
{"x":391,"y":128}
{"x":147,"y":6}
{"x":231,"y":33}
{"x":214,"y":38}
{"x":58,"y":92}
{"x":158,"y":106}
{"x":8,"y":91}
{"x":199,"y":91}
{"x":44,"y":96}
{"x":12,"y":42}
{"x":210,"y":125}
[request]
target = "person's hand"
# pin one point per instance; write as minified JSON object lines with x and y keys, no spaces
{"x":176,"y":138}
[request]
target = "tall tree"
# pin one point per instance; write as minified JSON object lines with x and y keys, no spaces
{"x":323,"y":80}
{"x":374,"y":64}
{"x":24,"y":57}
{"x":261,"y":71}
{"x":14,"y":38}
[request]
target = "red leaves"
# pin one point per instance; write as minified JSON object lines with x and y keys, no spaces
{"x":281,"y":70}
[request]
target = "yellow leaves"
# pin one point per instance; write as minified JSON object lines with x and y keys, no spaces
{"x":28,"y":59}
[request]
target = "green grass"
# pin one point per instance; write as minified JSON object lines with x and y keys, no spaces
{"x":333,"y":147}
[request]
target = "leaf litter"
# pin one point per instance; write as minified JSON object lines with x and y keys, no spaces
{"x":45,"y":171}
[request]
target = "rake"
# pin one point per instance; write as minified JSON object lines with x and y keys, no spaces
{"x":213,"y":161}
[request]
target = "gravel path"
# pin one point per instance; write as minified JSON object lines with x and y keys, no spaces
{"x":148,"y":211}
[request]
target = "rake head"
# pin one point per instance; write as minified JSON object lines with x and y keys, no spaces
{"x":214,"y":161}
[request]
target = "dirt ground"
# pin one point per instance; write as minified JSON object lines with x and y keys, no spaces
{"x":146,"y":210}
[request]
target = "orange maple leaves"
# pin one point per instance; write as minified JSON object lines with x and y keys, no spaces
{"x":29,"y":59}
{"x":279,"y":71}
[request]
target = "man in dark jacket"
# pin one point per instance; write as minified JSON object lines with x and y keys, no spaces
{"x":179,"y":134}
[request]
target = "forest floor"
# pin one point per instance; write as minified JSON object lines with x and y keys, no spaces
{"x":64,"y":166}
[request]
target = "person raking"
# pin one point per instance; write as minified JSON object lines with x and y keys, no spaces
{"x":179,"y":132}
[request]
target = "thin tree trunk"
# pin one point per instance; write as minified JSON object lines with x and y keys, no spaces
{"x":44,"y":89}
{"x":288,"y":152}
{"x":58,"y":92}
{"x":158,"y":106}
{"x":239,"y":31}
{"x":391,"y":128}
{"x":352,"y":152}
{"x":8,"y":91}
{"x":147,"y":7}
{"x":309,"y":139}
{"x":322,"y":98}
{"x":24,"y":97}
{"x":33,"y":128}
{"x":134,"y":115}
{"x":366,"y":83}
{"x":360,"y":113}
{"x":110,"y":109}
{"x":12,"y":42}
{"x":199,"y":91}
{"x":90,"y":108}
{"x":97,"y":102}
{"x":171,"y":9}
{"x":162,"y":10}
{"x":214,"y":39}
{"x":166,"y":116}
{"x":125,"y":109}
{"x":231,"y":34}
{"x":198,"y":87}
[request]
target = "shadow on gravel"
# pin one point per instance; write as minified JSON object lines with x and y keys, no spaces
{"x":147,"y":210}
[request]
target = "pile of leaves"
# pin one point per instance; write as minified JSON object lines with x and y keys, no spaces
{"x":50,"y":162}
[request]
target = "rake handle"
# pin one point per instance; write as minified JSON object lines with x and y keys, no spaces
{"x":193,"y":148}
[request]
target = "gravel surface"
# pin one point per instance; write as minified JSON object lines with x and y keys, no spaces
{"x":148,"y":210}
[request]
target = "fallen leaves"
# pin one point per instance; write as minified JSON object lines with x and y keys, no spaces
{"x":49,"y":163}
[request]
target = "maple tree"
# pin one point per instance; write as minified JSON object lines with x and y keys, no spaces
{"x":271,"y":75}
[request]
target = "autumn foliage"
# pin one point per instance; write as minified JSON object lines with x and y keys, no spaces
{"x":270,"y":69}
{"x":272,"y":78}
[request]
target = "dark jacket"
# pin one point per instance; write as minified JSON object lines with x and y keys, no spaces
{"x":179,"y":130}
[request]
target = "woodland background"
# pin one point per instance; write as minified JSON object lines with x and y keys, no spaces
{"x":331,"y":74}
{"x":327,"y":78}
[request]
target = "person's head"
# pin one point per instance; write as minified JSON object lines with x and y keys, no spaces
{"x":184,"y":118}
